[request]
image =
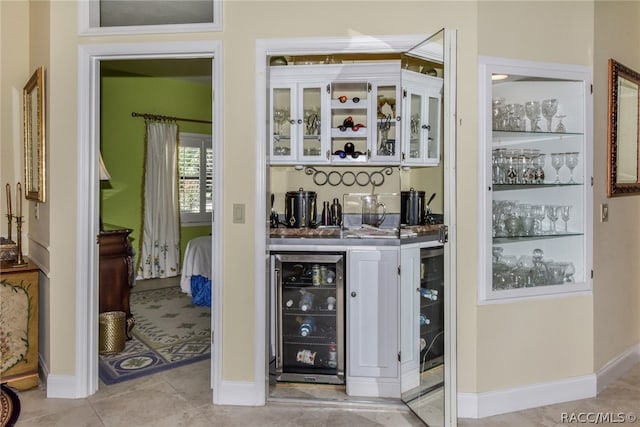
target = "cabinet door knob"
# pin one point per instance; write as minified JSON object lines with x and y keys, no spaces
{"x":353,"y":294}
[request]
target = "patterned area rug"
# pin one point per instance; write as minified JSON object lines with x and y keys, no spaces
{"x":9,"y":407}
{"x":169,"y":332}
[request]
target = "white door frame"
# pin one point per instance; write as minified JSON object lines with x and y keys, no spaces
{"x":85,"y":382}
{"x":332,"y":45}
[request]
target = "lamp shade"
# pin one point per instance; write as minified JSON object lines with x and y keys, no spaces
{"x":104,"y":173}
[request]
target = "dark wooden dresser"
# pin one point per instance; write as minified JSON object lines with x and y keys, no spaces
{"x":116,"y":272}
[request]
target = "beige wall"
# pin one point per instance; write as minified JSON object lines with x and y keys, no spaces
{"x":494,"y":341}
{"x":616,"y":242}
{"x":552,"y":338}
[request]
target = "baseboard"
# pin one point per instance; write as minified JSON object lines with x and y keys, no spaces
{"x":62,"y":387}
{"x":480,"y":405}
{"x":617,"y":367}
{"x":241,"y":393}
{"x":373,"y":387}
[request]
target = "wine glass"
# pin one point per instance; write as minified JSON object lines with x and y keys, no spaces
{"x":532,"y":111}
{"x":539,"y":211}
{"x":560,"y":128}
{"x":565,"y":214}
{"x":553,"y":213}
{"x":571,"y":160}
{"x":557,"y":161}
{"x":549,"y":109}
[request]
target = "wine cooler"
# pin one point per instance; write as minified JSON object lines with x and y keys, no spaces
{"x":309,"y":317}
{"x":431,"y":307}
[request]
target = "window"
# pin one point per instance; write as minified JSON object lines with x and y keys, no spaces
{"x":195,"y":163}
{"x":149,"y":16}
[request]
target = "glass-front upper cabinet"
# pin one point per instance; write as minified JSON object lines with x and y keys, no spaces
{"x":385,"y":147}
{"x":536,"y":178}
{"x":297,"y":132}
{"x":422,"y":100}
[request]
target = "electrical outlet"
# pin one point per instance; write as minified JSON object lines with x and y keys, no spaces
{"x":604,"y":212}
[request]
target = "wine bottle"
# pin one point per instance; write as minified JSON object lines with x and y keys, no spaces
{"x":306,"y":301}
{"x":307,"y":326}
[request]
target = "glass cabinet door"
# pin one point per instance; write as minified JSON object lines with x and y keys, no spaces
{"x":310,"y":124}
{"x":385,"y":146}
{"x":537,"y":177}
{"x":281,"y":127}
{"x":421,"y":117}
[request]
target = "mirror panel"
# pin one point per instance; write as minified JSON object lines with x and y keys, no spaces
{"x":422,"y":305}
{"x":623,"y":130}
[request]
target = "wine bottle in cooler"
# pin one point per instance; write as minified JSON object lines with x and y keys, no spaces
{"x":307,"y":326}
{"x":306,"y":301}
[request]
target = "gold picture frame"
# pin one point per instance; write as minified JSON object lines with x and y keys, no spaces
{"x":623,"y":131}
{"x":34,"y":138}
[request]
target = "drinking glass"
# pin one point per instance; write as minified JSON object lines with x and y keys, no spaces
{"x":553,"y":213}
{"x":560,"y":128}
{"x":571,"y":160}
{"x":498,"y":113}
{"x":539,"y":212}
{"x":549,"y":109}
{"x":557,"y":161}
{"x":497,"y":253}
{"x":569,"y":271}
{"x":538,"y":163}
{"x":532,"y":111}
{"x":565,"y":214}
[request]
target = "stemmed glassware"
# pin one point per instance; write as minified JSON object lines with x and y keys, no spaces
{"x":532,"y":111}
{"x":553,"y":213}
{"x":539,"y":211}
{"x":571,"y":160}
{"x":560,"y":128}
{"x":280,"y":115}
{"x":565,"y":214}
{"x":549,"y":109}
{"x":557,"y":161}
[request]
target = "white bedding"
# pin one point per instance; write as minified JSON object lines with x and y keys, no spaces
{"x":197,"y":261}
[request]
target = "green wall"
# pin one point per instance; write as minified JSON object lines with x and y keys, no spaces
{"x":122,"y":141}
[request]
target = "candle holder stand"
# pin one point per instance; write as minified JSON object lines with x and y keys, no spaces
{"x":19,"y":258}
{"x":9,"y":221}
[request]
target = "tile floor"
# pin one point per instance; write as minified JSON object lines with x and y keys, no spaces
{"x":181,"y":397}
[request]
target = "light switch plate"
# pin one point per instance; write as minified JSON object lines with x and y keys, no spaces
{"x":604,"y":212}
{"x":238,"y":213}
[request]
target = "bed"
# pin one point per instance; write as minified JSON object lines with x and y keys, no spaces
{"x":196,"y":269}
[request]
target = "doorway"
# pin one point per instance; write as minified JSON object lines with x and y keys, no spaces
{"x":138,"y":95}
{"x":354,"y":45}
{"x":90,"y":59}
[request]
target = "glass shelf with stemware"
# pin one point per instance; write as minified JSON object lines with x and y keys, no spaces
{"x":507,"y":187}
{"x":514,"y":239}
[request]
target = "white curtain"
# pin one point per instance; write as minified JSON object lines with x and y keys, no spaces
{"x":160,"y":246}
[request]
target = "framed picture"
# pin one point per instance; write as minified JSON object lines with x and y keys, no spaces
{"x":34,"y":140}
